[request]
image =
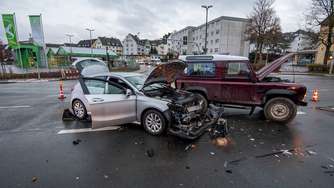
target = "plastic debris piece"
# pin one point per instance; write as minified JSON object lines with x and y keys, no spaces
{"x":310,"y":152}
{"x":77,"y":178}
{"x":252,"y":139}
{"x":286,"y":152}
{"x":276,"y":155}
{"x":228,"y":171}
{"x":187,"y":167}
{"x":150,"y":153}
{"x":331,"y":166}
{"x":34,"y":179}
{"x":225,"y":164}
{"x":189,"y":147}
{"x":106,"y":176}
{"x":76,"y":142}
{"x":324,"y":167}
{"x":212,"y":153}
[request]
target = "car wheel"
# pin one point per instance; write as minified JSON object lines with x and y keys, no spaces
{"x":280,"y":110}
{"x":204,"y":102}
{"x":79,"y":109}
{"x":154,"y":122}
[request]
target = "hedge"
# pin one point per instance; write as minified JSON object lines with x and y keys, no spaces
{"x":318,"y":68}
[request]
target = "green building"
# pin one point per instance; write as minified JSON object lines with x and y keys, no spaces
{"x":29,"y":54}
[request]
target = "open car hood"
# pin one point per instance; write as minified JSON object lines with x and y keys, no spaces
{"x":269,"y":68}
{"x":166,"y":72}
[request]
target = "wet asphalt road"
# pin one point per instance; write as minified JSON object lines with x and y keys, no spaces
{"x":31,"y":149}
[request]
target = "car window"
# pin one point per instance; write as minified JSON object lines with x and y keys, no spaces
{"x":200,"y":69}
{"x":112,"y":89}
{"x":237,"y":69}
{"x":120,"y":82}
{"x":84,"y":63}
{"x":95,"y":87}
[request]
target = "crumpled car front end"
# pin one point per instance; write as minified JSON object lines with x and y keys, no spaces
{"x":191,"y":120}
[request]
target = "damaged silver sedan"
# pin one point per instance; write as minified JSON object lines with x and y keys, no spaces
{"x":120,"y":98}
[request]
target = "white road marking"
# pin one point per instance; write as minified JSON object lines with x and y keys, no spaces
{"x":301,"y":113}
{"x":6,"y":107}
{"x":69,"y":131}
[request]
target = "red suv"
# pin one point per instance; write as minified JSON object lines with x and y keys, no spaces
{"x":232,"y":81}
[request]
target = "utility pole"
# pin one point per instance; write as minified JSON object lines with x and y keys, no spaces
{"x":70,"y":39}
{"x":206,"y":27}
{"x":91,"y":43}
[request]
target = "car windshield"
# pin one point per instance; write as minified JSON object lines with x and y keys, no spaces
{"x":138,"y":82}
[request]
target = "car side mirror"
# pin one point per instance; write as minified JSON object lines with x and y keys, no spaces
{"x":128,"y":92}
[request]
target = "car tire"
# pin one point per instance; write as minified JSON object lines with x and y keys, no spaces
{"x":280,"y":109}
{"x":79,"y":109}
{"x":154,"y":122}
{"x":205,"y":101}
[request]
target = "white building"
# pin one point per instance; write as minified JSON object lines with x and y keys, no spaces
{"x":226,"y":35}
{"x":113,"y":44}
{"x":132,"y":45}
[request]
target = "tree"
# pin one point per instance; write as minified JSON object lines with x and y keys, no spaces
{"x":322,"y":13}
{"x":263,"y":26}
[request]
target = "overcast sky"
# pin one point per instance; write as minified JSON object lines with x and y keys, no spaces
{"x":151,"y":18}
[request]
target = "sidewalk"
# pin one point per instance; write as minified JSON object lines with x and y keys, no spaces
{"x":27,"y":80}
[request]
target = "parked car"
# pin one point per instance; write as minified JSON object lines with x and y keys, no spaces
{"x":120,"y":98}
{"x":232,"y":81}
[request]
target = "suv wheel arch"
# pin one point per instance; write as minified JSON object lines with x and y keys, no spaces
{"x":273,"y":93}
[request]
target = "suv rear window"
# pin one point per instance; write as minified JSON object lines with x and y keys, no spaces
{"x":200,"y":69}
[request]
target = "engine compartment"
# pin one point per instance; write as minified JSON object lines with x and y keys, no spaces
{"x":275,"y":79}
{"x":189,"y":119}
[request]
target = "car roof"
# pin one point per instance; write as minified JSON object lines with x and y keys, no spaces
{"x":117,"y":74}
{"x":213,"y":57}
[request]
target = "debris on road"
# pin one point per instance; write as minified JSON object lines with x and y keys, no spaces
{"x":77,"y":178}
{"x":228,"y":171}
{"x":189,"y":147}
{"x":34,"y":179}
{"x":252,"y":139}
{"x":106,"y":176}
{"x":150,"y":153}
{"x":187,"y":167}
{"x":212,"y":153}
{"x":310,"y":152}
{"x":286,"y":152}
{"x":76,"y":142}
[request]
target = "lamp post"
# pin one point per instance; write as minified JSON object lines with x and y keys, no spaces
{"x":70,"y":40}
{"x":90,"y":38}
{"x":206,"y":26}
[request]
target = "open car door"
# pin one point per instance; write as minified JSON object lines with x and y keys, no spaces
{"x":110,"y":104}
{"x":90,"y":66}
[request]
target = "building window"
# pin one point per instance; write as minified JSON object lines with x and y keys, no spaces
{"x":216,"y":49}
{"x":212,"y":33}
{"x":185,"y":38}
{"x":217,"y":40}
{"x":217,"y":31}
{"x":211,"y":50}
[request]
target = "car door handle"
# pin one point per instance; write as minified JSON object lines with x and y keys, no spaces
{"x":97,"y":100}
